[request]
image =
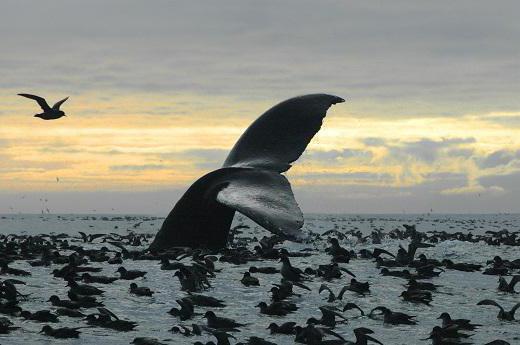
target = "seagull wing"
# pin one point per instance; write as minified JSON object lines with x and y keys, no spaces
{"x":105,"y":311}
{"x":514,"y":281}
{"x":349,"y":306}
{"x":281,"y":134}
{"x":41,"y":101}
{"x":83,"y":236}
{"x":328,"y":311}
{"x":323,"y":287}
{"x":94,"y":236}
{"x":490,"y":302}
{"x":347,"y":271}
{"x":342,"y":292}
{"x":300,"y":285}
{"x":379,"y":251}
{"x":57,"y":105}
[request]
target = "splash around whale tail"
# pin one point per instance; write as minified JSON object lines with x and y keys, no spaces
{"x":250,"y":181}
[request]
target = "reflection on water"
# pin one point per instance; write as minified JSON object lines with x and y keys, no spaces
{"x":459,"y":293}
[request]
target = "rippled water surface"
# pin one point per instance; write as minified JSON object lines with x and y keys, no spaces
{"x":459,"y":293}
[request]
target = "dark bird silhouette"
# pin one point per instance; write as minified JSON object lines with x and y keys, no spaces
{"x":278,"y":308}
{"x":90,"y":237}
{"x":358,"y":287}
{"x":217,"y":322}
{"x":285,"y":289}
{"x":186,"y":311}
{"x":264,"y":270}
{"x":362,"y":337}
{"x":6,"y":325}
{"x":48,"y":112}
{"x":332,"y":296}
{"x":5,"y":269}
{"x":504,"y":286}
{"x":40,"y":316}
{"x":204,"y":301}
{"x":69,"y":312}
{"x":83,"y":289}
{"x":328,"y":317}
{"x":57,"y":302}
{"x":451,"y":332}
{"x":314,"y":335}
{"x":289,"y":272}
{"x":130,"y":275}
{"x":249,"y":280}
{"x":351,"y":305}
{"x":107,"y":319}
{"x":395,"y":318}
{"x":140,"y":290}
{"x":461,"y":323}
{"x":416,"y":285}
{"x":417,"y":296}
{"x":502,"y":314}
{"x":61,"y":333}
{"x":255,"y":341}
{"x":285,"y":328}
{"x":338,"y":253}
{"x":146,"y":341}
{"x":85,"y":300}
{"x":87,"y":278}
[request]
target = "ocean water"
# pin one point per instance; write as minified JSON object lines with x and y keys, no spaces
{"x":458,"y":295}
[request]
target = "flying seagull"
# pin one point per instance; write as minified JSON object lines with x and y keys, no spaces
{"x":250,"y":181}
{"x":48,"y":112}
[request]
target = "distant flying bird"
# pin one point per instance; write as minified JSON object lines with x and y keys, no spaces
{"x":48,"y":112}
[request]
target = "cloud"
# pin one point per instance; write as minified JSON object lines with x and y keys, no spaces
{"x":373,"y":141}
{"x":427,"y":150}
{"x":361,"y":177}
{"x":498,"y":158}
{"x":417,"y":198}
{"x":460,"y":152}
{"x":265,"y":51}
{"x":19,"y":165}
{"x":205,"y":159}
{"x":445,"y":175}
{"x":507,"y":121}
{"x":335,"y":156}
{"x":508,"y":182}
{"x":180,"y":81}
{"x":493,"y":190}
{"x":139,"y":167}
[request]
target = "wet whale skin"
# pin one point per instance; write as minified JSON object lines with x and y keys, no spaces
{"x":250,"y":181}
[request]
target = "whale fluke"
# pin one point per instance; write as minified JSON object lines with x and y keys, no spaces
{"x":250,"y":180}
{"x":265,"y":197}
{"x":281,"y":134}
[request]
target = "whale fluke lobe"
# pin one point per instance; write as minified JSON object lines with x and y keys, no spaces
{"x":281,"y":134}
{"x":250,"y":180}
{"x":265,"y":197}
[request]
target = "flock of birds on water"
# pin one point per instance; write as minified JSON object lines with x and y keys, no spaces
{"x":74,"y":260}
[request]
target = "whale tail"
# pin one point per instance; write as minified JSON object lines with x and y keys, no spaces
{"x":249,"y":181}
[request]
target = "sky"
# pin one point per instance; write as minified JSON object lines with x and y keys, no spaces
{"x":160,"y":91}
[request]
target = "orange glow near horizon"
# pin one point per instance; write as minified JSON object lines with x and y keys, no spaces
{"x":144,"y":142}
